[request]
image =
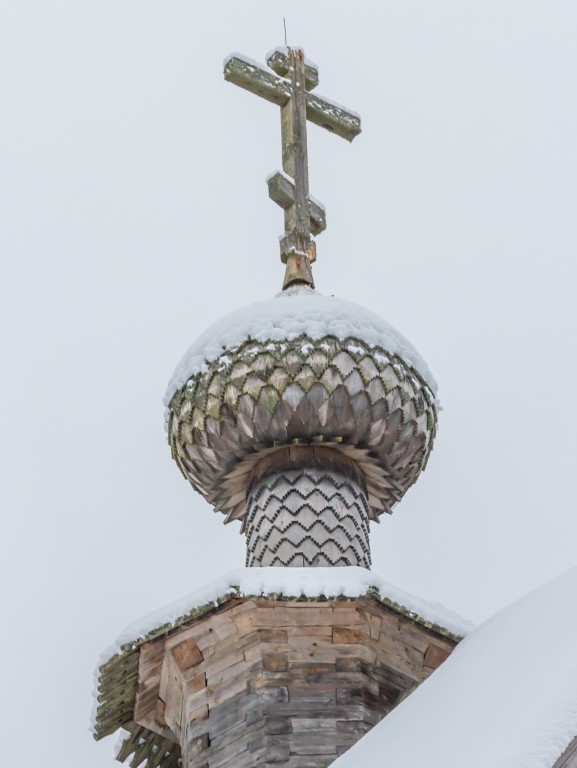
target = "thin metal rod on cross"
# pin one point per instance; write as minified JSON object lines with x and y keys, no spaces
{"x":288,"y":82}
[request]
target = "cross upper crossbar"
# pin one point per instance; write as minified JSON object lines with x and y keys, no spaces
{"x":287,"y":84}
{"x":249,"y":75}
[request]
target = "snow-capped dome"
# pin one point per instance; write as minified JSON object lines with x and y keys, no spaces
{"x":295,"y":312}
{"x":301,"y":369}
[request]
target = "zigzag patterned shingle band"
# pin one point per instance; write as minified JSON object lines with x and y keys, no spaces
{"x":304,"y":517}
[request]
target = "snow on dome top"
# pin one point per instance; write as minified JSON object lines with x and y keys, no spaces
{"x":295,"y":312}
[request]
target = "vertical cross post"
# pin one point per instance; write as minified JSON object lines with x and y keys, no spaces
{"x":297,"y":247}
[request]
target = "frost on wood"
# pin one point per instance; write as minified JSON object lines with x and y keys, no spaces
{"x":506,"y":697}
{"x":253,"y":77}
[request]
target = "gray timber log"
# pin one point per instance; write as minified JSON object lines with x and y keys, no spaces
{"x":319,"y":110}
{"x":307,"y":517}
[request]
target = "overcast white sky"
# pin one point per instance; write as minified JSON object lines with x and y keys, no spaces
{"x":135,"y":213}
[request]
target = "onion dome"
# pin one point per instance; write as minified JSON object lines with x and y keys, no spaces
{"x":305,"y":417}
{"x":301,"y":383}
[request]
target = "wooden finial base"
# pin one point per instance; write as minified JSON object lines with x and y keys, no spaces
{"x":298,"y":270}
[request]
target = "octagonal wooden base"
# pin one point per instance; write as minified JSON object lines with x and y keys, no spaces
{"x":262,"y":682}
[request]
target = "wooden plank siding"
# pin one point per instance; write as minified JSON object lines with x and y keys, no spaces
{"x":264,"y":681}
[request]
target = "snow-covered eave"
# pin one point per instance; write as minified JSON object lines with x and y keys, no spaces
{"x":119,"y":664}
{"x":235,"y":593}
{"x":291,"y":584}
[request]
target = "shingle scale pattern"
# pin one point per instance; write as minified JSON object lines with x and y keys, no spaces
{"x":266,"y":394}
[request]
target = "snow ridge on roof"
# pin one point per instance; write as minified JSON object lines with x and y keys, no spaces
{"x":298,"y":311}
{"x":505,"y":698}
{"x":329,"y":582}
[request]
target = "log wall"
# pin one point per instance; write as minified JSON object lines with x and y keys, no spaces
{"x":266,"y":682}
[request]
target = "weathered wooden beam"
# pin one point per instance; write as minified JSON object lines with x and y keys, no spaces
{"x":279,"y":62}
{"x":248,"y":75}
{"x":321,"y":111}
{"x":281,"y":189}
{"x":333,"y":117}
{"x":297,"y":249}
{"x":294,"y":151}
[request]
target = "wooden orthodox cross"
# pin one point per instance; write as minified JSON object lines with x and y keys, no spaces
{"x":288,"y":85}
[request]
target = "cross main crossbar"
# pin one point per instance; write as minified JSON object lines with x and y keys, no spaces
{"x":245,"y":73}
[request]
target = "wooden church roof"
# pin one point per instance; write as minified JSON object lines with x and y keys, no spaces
{"x":506,"y":698}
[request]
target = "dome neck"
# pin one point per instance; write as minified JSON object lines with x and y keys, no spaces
{"x":303,"y":515}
